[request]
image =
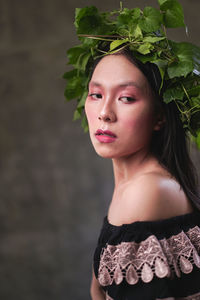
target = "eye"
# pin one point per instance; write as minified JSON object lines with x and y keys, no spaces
{"x":95,"y":96}
{"x":127,"y":99}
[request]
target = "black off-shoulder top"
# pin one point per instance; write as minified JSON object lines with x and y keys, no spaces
{"x":150,"y":260}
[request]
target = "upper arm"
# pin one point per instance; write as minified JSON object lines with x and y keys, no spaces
{"x":96,"y":291}
{"x":153,"y":197}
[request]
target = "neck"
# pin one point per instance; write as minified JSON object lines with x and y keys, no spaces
{"x":127,"y":168}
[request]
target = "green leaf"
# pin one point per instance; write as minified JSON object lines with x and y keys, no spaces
{"x":182,"y":68}
{"x":78,"y":56}
{"x":77,"y":114}
{"x":122,"y":31}
{"x":74,"y":88}
{"x":145,"y":48}
{"x":89,"y":21}
{"x":117,"y":43}
{"x":128,"y":15}
{"x":198,"y":140}
{"x":196,"y":57}
{"x":187,"y":52}
{"x":162,"y":66}
{"x":137,"y":32}
{"x":151,"y":19}
{"x":195,"y":120}
{"x":173,"y":15}
{"x":161,"y":2}
{"x":78,"y":13}
{"x":82,"y":100}
{"x":184,"y":51}
{"x":81,"y":13}
{"x":82,"y":62}
{"x":124,"y":17}
{"x":194,"y":91}
{"x":74,"y":53}
{"x":70,"y":74}
{"x":153,"y":39}
{"x":174,"y":93}
{"x":185,"y":64}
{"x":84,"y":123}
{"x":136,"y":12}
{"x":88,"y":42}
{"x":196,"y":100}
{"x":145,"y":58}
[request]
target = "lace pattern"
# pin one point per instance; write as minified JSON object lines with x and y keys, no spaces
{"x":152,"y":257}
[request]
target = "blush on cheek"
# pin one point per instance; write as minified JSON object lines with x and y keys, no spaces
{"x":91,"y":115}
{"x":144,"y":122}
{"x":131,"y":124}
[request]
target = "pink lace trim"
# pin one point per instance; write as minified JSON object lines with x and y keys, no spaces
{"x":133,"y":261}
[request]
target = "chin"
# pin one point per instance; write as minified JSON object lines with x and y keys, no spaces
{"x":105,"y":154}
{"x":113,"y":151}
{"x":104,"y":150}
{"x":112,"y":154}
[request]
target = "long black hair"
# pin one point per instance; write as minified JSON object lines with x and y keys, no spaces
{"x":170,"y":144}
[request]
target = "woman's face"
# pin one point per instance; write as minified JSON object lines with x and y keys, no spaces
{"x":119,"y":108}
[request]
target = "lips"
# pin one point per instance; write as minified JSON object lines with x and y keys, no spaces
{"x":105,"y":136}
{"x":109,"y":133}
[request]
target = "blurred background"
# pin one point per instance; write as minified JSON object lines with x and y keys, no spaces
{"x":54,"y":189}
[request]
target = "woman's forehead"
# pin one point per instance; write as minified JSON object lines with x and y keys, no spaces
{"x":117,"y":70}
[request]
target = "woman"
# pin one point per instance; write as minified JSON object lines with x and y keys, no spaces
{"x":124,"y":116}
{"x":143,"y":97}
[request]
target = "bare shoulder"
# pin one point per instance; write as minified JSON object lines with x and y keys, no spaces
{"x":153,"y":196}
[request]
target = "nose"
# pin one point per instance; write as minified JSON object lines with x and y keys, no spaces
{"x":107,"y":114}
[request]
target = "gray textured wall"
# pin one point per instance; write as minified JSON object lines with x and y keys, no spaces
{"x":54,"y":190}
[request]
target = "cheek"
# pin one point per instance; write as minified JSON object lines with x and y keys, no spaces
{"x":142,"y":123}
{"x":90,"y":114}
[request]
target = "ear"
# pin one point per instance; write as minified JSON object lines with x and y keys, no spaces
{"x":160,"y":120}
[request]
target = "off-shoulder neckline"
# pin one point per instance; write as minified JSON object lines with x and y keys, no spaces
{"x":188,"y":217}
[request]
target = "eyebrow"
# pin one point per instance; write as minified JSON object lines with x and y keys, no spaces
{"x":124,"y":84}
